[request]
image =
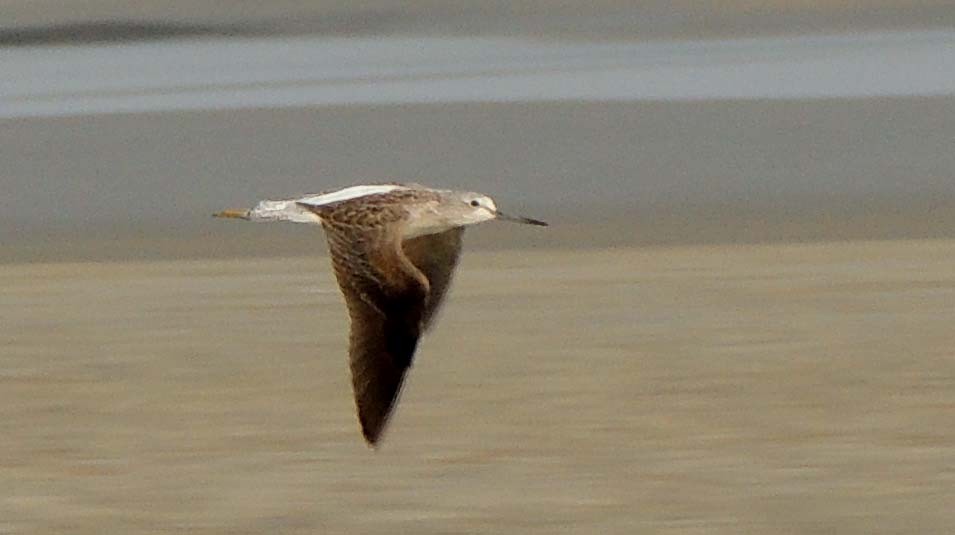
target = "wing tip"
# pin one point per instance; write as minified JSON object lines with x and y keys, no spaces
{"x":372,"y":433}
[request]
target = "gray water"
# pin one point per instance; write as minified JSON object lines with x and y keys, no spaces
{"x":321,"y":71}
{"x":123,"y":150}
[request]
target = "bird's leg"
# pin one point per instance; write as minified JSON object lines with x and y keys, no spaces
{"x":235,"y":214}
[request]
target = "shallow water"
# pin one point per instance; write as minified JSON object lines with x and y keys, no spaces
{"x":319,"y":71}
{"x":769,"y":389}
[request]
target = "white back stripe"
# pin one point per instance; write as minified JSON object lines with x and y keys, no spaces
{"x":345,"y":194}
{"x":282,"y":211}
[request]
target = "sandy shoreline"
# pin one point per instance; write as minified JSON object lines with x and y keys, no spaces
{"x":748,"y":389}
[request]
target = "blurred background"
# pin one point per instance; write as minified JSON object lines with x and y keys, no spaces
{"x":738,"y":322}
{"x":672,"y":122}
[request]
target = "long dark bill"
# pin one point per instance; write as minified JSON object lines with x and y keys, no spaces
{"x":517,"y":219}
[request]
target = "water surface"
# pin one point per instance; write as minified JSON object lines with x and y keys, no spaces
{"x":320,"y":71}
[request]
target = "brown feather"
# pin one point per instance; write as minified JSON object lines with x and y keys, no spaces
{"x":386,"y":297}
{"x":393,"y":287}
{"x":436,"y":255}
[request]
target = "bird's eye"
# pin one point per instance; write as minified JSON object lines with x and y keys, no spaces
{"x":475,"y":203}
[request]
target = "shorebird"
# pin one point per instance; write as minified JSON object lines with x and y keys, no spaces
{"x":394,"y":248}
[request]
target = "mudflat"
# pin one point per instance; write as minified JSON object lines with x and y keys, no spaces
{"x":705,"y":389}
{"x":138,"y":186}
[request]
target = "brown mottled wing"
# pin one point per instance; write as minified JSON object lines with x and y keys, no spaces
{"x":436,"y":255}
{"x":386,"y":296}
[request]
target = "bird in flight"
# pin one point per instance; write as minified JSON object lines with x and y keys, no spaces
{"x":394,"y":248}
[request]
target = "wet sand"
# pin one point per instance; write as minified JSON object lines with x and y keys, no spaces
{"x":136,"y":186}
{"x":740,"y":389}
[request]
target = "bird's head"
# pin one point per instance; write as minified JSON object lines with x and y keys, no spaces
{"x":476,"y":208}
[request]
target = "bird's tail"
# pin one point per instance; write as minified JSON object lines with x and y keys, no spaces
{"x":283,"y":210}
